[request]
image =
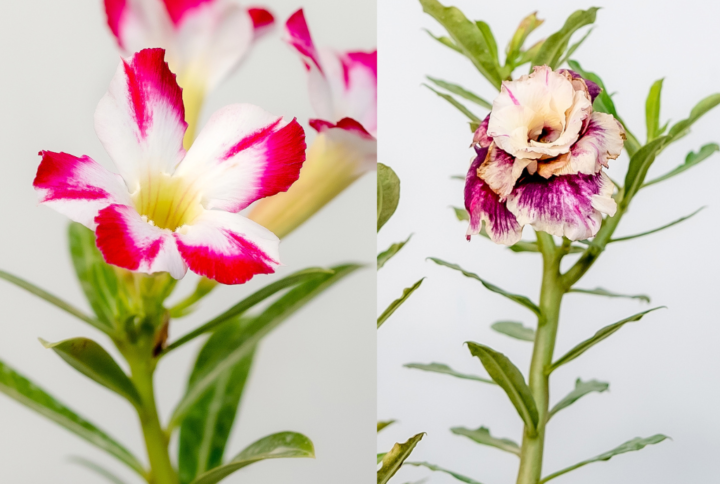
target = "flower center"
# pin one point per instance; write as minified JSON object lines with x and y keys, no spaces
{"x":166,"y":201}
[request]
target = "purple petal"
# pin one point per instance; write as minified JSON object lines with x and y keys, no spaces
{"x":480,"y":137}
{"x":593,"y":89}
{"x":483,"y":205}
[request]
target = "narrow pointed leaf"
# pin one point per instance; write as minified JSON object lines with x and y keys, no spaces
{"x":691,"y":160}
{"x":581,"y":389}
{"x":529,"y":54}
{"x":629,"y":446}
{"x":393,"y":460}
{"x":446,"y":370}
{"x":526,"y":27}
{"x":681,"y":127}
{"x":435,"y":468}
{"x":522,"y":300}
{"x":461,"y":214}
{"x":652,"y":110}
{"x":97,"y":469}
{"x":575,"y":47}
{"x":515,"y":330}
{"x":487,"y":34}
{"x":283,"y":445}
{"x":599,"y":291}
{"x":99,"y":280}
{"x":505,"y":374}
{"x":681,"y":219}
{"x":206,"y":428}
{"x":482,"y":436}
{"x":460,"y":91}
{"x":257,"y":328}
{"x":602,"y":334}
{"x":188,"y":305}
{"x":25,"y":392}
{"x":446,"y":41}
{"x":55,"y":301}
{"x":388,"y":189}
{"x":458,"y":105}
{"x":407,"y":292}
{"x":91,"y":359}
{"x":467,"y":37}
{"x":555,"y":45}
{"x":390,"y":252}
{"x":640,"y":163}
{"x":383,"y":424}
{"x":249,"y":302}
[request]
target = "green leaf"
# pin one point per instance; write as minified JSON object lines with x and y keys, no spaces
{"x":582,"y":388}
{"x":691,"y":160}
{"x":505,"y":374}
{"x":407,"y":292}
{"x":461,"y":214}
{"x":640,"y":163}
{"x":55,"y":301}
{"x":97,"y":469}
{"x":388,"y":194}
{"x":599,"y":291}
{"x":435,"y":468}
{"x":460,"y":91}
{"x":487,"y":34}
{"x":393,"y":460}
{"x":515,"y":330}
{"x":446,"y":370}
{"x":526,"y":27}
{"x":446,"y":41}
{"x":91,"y":359}
{"x":283,"y":445}
{"x":189,"y":304}
{"x":381,"y":456}
{"x":681,"y":127}
{"x":27,"y":393}
{"x":522,"y":300}
{"x":602,"y":334}
{"x":257,"y":328}
{"x":681,"y":219}
{"x":206,"y":428}
{"x":553,"y":48}
{"x":467,"y":37}
{"x":98,"y":280}
{"x":390,"y":252}
{"x":652,"y":110}
{"x":529,"y":54}
{"x":575,"y":47}
{"x":629,"y":446}
{"x":482,"y":436}
{"x":384,"y":424}
{"x":460,"y":107}
{"x":294,"y":279}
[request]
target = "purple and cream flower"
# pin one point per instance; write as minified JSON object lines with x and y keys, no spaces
{"x":168,"y":209}
{"x":540,"y":158}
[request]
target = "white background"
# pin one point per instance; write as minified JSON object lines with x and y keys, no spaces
{"x":315,"y":374}
{"x":664,"y":372}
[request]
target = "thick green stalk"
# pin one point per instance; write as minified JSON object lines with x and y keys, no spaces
{"x":156,"y":440}
{"x":551,"y":293}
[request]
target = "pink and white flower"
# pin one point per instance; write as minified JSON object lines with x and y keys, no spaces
{"x":169,"y":210}
{"x":540,"y":158}
{"x":204,"y":39}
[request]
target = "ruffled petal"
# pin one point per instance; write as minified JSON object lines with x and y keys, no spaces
{"x":137,"y":24}
{"x":244,"y":154}
{"x":141,"y":119}
{"x":77,"y":187}
{"x":480,"y":137}
{"x":484,"y":205}
{"x":127,"y":241}
{"x":592,"y":88}
{"x":568,"y":205}
{"x":356,"y":143}
{"x":500,"y":171}
{"x":601,"y":142}
{"x":228,"y":247}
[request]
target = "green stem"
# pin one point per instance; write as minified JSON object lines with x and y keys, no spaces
{"x":551,"y":294}
{"x":156,"y":440}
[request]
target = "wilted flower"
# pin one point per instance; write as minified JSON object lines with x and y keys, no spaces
{"x":169,"y":210}
{"x":540,"y":158}
{"x":204,"y":39}
{"x":343,"y":93}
